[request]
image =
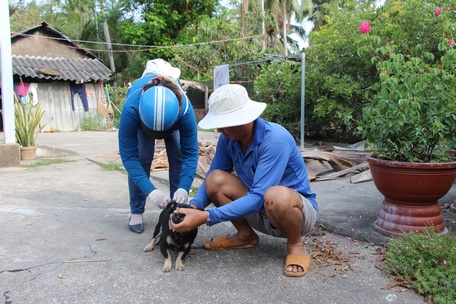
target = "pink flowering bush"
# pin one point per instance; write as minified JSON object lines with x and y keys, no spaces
{"x":425,"y":262}
{"x":344,"y":65}
{"x":412,"y":113}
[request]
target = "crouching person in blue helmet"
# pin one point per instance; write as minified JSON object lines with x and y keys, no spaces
{"x":156,"y":107}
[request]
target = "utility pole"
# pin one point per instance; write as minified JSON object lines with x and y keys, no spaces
{"x":9,"y":125}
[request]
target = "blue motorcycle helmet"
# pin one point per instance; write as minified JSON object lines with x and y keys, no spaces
{"x":159,"y":107}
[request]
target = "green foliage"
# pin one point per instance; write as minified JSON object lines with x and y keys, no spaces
{"x":336,"y":78}
{"x":279,"y":85}
{"x":23,"y":18}
{"x":347,"y":71}
{"x":211,"y":43}
{"x":93,"y":123}
{"x":426,"y":262}
{"x":412,"y":115}
{"x":28,"y":122}
{"x":117,"y":96}
{"x":281,"y":14}
{"x":162,"y":22}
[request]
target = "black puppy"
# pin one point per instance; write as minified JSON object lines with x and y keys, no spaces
{"x":176,"y":241}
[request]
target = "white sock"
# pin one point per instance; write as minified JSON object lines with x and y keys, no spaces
{"x":136,"y":219}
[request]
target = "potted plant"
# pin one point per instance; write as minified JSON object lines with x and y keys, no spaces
{"x":28,"y":125}
{"x":410,"y":127}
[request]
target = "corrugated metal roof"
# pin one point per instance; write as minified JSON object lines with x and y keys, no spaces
{"x":66,"y":69}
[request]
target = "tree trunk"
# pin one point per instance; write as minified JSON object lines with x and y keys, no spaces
{"x":108,"y":43}
{"x":244,"y":11}
{"x":284,"y":28}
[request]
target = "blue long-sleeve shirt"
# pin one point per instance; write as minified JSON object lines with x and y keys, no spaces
{"x":128,"y":140}
{"x":272,"y":159}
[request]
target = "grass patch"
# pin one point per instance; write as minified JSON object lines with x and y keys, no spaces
{"x":46,"y":162}
{"x":112,"y":166}
{"x":93,"y":123}
{"x":425,"y":262}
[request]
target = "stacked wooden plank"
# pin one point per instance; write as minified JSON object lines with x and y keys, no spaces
{"x":322,"y":164}
{"x":326,"y":165}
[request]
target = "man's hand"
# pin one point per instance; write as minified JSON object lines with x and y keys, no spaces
{"x":193,"y":218}
{"x":181,"y":196}
{"x":159,"y":198}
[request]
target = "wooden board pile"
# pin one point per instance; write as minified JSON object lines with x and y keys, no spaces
{"x":329,"y":164}
{"x":206,"y":154}
{"x":321,"y":164}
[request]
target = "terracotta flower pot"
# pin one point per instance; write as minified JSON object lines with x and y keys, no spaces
{"x":411,"y":192}
{"x":28,"y":153}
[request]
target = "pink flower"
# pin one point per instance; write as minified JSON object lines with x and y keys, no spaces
{"x":419,"y":261}
{"x":365,"y":27}
{"x":437,"y":11}
{"x":450,"y":42}
{"x":444,"y":262}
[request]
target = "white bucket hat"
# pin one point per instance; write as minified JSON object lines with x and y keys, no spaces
{"x":156,"y":67}
{"x":230,"y":106}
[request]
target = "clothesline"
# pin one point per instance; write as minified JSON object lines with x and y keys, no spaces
{"x":222,"y":77}
{"x":263,"y":60}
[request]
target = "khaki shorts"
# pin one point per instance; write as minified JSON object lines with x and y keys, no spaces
{"x":259,"y":220}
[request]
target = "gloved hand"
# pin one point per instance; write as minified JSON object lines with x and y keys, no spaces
{"x":181,"y":196}
{"x":159,"y":198}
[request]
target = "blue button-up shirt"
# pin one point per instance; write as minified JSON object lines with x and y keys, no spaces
{"x":272,"y":159}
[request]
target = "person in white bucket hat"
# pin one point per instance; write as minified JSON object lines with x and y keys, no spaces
{"x":229,"y":107}
{"x":257,"y":180}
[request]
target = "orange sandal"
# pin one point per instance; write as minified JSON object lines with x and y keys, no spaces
{"x":298,"y":260}
{"x":222,"y":243}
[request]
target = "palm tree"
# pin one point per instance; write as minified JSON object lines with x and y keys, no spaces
{"x":74,"y":18}
{"x":23,"y":16}
{"x":284,"y":10}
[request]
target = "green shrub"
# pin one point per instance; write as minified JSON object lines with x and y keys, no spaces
{"x":117,"y":98}
{"x":426,"y":262}
{"x":337,"y":79}
{"x":28,"y":122}
{"x":279,"y":85}
{"x":93,"y":123}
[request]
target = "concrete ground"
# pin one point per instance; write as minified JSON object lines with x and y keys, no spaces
{"x":65,"y":239}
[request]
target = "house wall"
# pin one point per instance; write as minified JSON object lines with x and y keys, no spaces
{"x":59,"y":115}
{"x":42,"y":47}
{"x":197,"y":92}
